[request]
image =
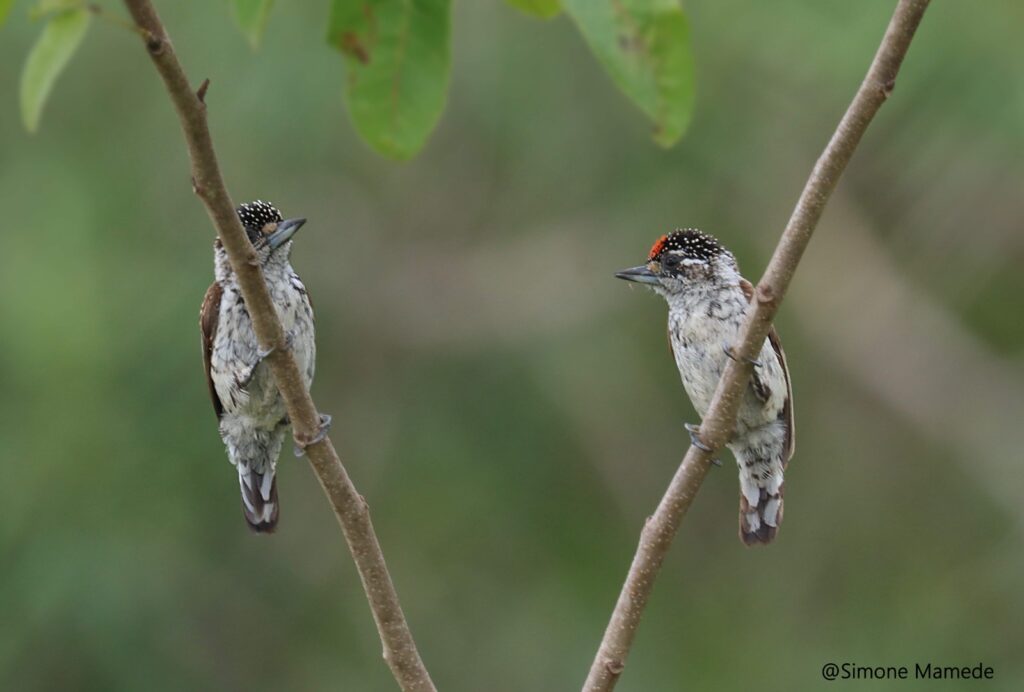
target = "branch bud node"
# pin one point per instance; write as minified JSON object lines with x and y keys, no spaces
{"x":765,"y":294}
{"x":154,"y":44}
{"x":201,"y":91}
{"x":615,"y":668}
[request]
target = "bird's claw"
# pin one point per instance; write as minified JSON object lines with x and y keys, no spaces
{"x":695,"y":440}
{"x":321,"y":433}
{"x":728,"y":351}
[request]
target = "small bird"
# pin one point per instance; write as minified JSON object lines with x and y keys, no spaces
{"x":707,"y":301}
{"x":252,"y":415}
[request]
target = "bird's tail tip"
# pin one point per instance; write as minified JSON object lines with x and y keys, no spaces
{"x":262,"y":524}
{"x":759,"y":524}
{"x":259,"y":499}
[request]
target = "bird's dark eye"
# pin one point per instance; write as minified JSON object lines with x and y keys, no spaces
{"x":670,"y":262}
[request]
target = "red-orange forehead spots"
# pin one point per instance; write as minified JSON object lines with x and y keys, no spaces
{"x":689,"y":243}
{"x":658,"y":246}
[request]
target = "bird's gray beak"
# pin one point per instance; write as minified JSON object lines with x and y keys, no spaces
{"x":284,"y":232}
{"x":641,"y":275}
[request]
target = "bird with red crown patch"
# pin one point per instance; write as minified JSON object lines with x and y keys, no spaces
{"x":707,"y":302}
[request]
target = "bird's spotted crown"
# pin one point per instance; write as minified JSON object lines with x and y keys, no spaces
{"x":258,"y":214}
{"x":689,"y":242}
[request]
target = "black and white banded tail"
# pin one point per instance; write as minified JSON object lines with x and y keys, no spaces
{"x":259,"y":497}
{"x":761,"y":495}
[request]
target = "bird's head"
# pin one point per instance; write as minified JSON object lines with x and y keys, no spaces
{"x":682,"y":261}
{"x":269,"y":234}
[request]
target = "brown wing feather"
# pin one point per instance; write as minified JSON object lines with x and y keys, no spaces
{"x":787,"y":408}
{"x":209,"y":314}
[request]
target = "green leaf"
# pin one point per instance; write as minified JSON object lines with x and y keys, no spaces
{"x":5,"y":8}
{"x":645,"y":47}
{"x":398,"y":61}
{"x":251,"y":16}
{"x":542,"y":9}
{"x":43,"y":8}
{"x":48,"y":57}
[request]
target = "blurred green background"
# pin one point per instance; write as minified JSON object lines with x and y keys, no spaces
{"x":509,"y":409}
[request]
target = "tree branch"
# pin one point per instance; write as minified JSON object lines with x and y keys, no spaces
{"x":349,"y":507}
{"x":718,"y":424}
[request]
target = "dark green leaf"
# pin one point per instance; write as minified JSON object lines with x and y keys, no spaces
{"x":47,"y":59}
{"x":544,"y":9}
{"x":398,"y":61}
{"x":251,"y":16}
{"x":645,"y":46}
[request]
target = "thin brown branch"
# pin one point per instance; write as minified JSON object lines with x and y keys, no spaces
{"x":717,"y":425}
{"x":349,"y":507}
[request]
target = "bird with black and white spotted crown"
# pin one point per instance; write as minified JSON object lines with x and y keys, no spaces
{"x":707,"y":302}
{"x":250,"y":411}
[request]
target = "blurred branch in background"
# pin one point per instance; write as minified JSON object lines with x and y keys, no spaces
{"x":718,"y":424}
{"x":911,"y":352}
{"x":349,"y":507}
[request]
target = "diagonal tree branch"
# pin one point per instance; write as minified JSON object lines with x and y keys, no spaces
{"x":717,"y":425}
{"x":349,"y":507}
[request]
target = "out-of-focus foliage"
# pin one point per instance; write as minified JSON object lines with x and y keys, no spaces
{"x":398,"y":60}
{"x":252,"y":16}
{"x":49,"y":56}
{"x":508,"y":409}
{"x":542,"y":9}
{"x":41,"y":9}
{"x":645,"y":46}
{"x":5,"y":8}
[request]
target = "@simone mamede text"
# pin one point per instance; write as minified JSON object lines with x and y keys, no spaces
{"x":918,"y":671}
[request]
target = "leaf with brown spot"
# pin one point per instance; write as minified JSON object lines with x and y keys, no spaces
{"x":645,"y":47}
{"x":351,"y":46}
{"x":398,"y":62}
